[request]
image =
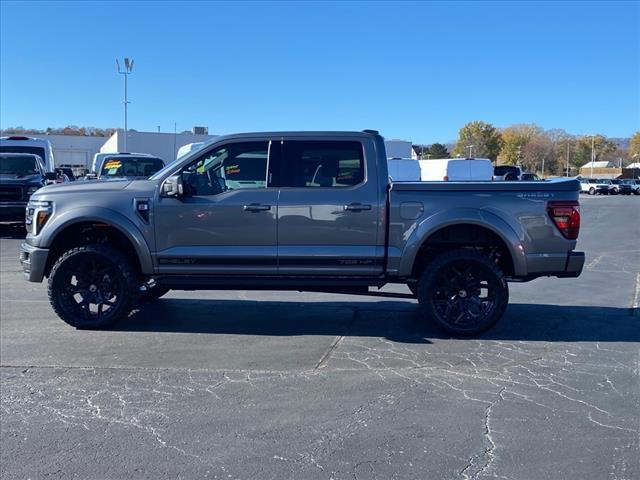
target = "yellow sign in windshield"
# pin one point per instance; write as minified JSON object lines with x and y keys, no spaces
{"x":113,"y":164}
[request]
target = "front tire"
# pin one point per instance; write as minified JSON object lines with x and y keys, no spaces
{"x":592,"y":191}
{"x":93,"y":286}
{"x":463,"y":292}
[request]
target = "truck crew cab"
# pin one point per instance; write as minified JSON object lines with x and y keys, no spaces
{"x":297,"y":211}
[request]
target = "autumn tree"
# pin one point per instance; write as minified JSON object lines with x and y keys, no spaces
{"x":601,"y":148}
{"x":634,"y":147}
{"x":484,"y":137}
{"x":514,"y":139}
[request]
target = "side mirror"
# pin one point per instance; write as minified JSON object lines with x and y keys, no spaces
{"x":172,"y":187}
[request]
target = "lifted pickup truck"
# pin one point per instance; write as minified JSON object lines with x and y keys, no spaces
{"x":307,"y":211}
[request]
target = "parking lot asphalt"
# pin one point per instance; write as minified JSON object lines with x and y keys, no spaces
{"x":261,"y":385}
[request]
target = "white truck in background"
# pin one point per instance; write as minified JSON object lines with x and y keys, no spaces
{"x":35,"y":146}
{"x":456,"y":170}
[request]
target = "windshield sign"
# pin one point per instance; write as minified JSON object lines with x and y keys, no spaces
{"x":131,"y":167}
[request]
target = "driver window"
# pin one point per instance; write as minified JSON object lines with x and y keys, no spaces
{"x":230,"y":167}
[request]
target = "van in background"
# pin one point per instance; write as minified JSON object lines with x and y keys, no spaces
{"x":34,"y":146}
{"x":456,"y":170}
{"x":404,"y":169}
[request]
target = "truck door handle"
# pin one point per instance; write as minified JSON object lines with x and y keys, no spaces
{"x":356,"y":207}
{"x":256,"y":207}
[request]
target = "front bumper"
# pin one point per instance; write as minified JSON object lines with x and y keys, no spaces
{"x":33,"y":261}
{"x":12,"y":210}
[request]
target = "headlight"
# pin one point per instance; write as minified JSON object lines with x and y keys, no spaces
{"x":32,"y":189}
{"x":37,"y":214}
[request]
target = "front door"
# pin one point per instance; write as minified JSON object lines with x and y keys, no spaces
{"x":225,"y":223}
{"x":328,"y":210}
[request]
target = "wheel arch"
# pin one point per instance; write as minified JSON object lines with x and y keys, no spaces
{"x":484,"y":226}
{"x":121,"y":231}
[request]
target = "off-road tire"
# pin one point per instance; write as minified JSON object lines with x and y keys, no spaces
{"x":103,"y":270}
{"x":461,"y":272}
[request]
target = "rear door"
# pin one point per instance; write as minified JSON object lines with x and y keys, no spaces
{"x":329,"y":209}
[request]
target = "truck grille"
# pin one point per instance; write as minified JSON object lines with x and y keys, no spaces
{"x":8,"y":193}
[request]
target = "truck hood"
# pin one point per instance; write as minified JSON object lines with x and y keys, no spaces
{"x":84,"y":186}
{"x":21,"y":179}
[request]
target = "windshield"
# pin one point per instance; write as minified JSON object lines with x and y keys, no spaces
{"x":18,"y":165}
{"x":131,"y":167}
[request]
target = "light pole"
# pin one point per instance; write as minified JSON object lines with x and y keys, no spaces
{"x":593,"y":155}
{"x":567,"y":172}
{"x":470,"y":147}
{"x":128,"y":67}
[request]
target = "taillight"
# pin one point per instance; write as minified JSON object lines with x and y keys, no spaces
{"x":445,"y":178}
{"x":566,"y":216}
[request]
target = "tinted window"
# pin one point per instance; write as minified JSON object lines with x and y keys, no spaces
{"x":230,"y":167}
{"x":18,"y":149}
{"x":131,"y":167}
{"x":322,"y":164}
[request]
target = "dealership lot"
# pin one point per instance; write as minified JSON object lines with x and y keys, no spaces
{"x":301,"y":385}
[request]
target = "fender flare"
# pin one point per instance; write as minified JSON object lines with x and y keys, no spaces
{"x":469,"y":216}
{"x":103,"y":215}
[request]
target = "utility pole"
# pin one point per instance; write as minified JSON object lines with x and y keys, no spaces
{"x":470,"y":147}
{"x":593,"y":155}
{"x":128,"y":67}
{"x":567,"y":172}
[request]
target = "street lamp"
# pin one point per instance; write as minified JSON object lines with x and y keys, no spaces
{"x":128,"y":67}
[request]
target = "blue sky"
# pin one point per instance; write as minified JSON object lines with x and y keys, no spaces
{"x":415,"y":71}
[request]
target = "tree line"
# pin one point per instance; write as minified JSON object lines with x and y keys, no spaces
{"x":537,"y":150}
{"x":68,"y":130}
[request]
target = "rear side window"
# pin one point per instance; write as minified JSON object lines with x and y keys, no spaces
{"x":322,"y":164}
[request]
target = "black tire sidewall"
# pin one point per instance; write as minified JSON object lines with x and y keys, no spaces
{"x":122,"y":267}
{"x":427,"y":284}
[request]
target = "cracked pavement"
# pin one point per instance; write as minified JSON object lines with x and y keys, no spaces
{"x":273,"y":385}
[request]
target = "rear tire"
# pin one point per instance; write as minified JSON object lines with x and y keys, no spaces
{"x":93,"y":286}
{"x":592,"y":191}
{"x":463,"y":292}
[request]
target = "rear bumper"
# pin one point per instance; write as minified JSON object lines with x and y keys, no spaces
{"x":562,"y":265}
{"x":33,"y":261}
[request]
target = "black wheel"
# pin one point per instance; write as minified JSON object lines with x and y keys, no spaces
{"x":464,"y":292}
{"x":152,"y":291}
{"x":592,"y":191}
{"x":93,"y":286}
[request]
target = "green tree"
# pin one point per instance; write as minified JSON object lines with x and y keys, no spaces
{"x":485,"y":139}
{"x":634,"y":147}
{"x":438,"y":150}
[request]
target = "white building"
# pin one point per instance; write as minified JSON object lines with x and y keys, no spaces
{"x":162,"y":145}
{"x":399,"y":149}
{"x":71,"y":150}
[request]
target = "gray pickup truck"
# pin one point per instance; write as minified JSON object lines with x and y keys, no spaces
{"x":307,"y":211}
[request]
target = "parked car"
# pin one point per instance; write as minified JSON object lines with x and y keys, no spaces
{"x":21,"y":175}
{"x":130,"y":166}
{"x":619,"y":187}
{"x":594,"y":186}
{"x":530,"y":177}
{"x":634,"y":184}
{"x":456,"y":170}
{"x":99,"y":159}
{"x":404,"y":170}
{"x":507,"y":173}
{"x":35,"y":146}
{"x":308,"y":211}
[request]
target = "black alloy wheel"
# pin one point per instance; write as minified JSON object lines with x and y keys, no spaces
{"x":92,"y":286}
{"x":464,"y":292}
